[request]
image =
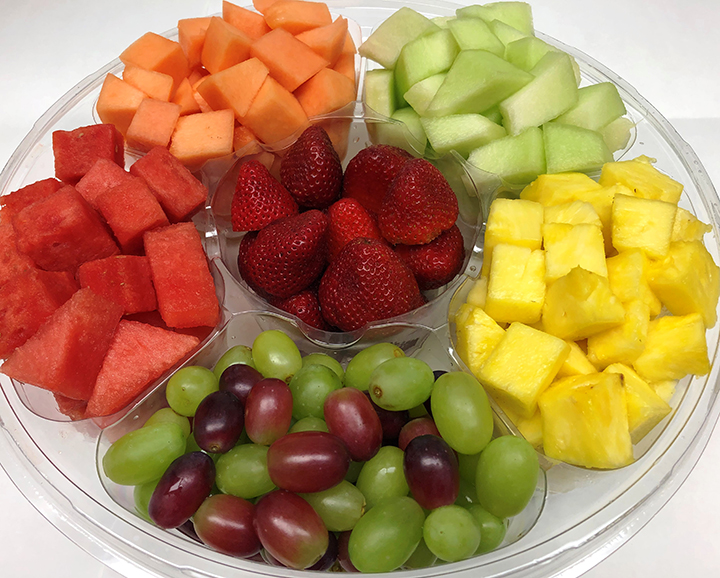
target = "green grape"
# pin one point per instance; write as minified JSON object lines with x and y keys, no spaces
{"x":468,"y":466}
{"x":354,"y":471}
{"x":360,"y":368}
{"x":507,"y":475}
{"x":276,"y":355}
{"x":143,"y":455}
{"x":141,"y":497}
{"x":467,"y":496}
{"x":462,"y":413}
{"x":192,"y":446}
{"x":401,"y":383}
{"x":492,"y":529}
{"x":382,"y":476}
{"x":327,"y":361}
{"x":340,"y":507}
{"x":243,"y":472}
{"x":188,"y":387}
{"x":422,"y":557}
{"x":236,"y":354}
{"x":309,"y":424}
{"x":451,"y":533}
{"x":167,"y":415}
{"x":386,"y":536}
{"x":418,"y":411}
{"x":310,"y":386}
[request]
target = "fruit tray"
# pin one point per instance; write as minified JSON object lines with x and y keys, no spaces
{"x":575,"y":515}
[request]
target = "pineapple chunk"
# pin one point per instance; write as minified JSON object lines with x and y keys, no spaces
{"x":477,"y":335}
{"x":675,"y":347}
{"x":585,"y":421}
{"x":516,"y":288}
{"x":521,"y":367}
{"x":478,"y":292}
{"x":687,"y":281}
{"x":642,"y":224}
{"x":643,"y":179}
{"x":624,"y":343}
{"x":513,"y":222}
{"x":576,"y":363}
{"x":628,"y":275}
{"x":572,"y":213}
{"x":687,"y":227}
{"x":645,"y":408}
{"x":580,"y":304}
{"x":665,"y":389}
{"x":530,"y":428}
{"x":559,"y":188}
{"x":570,"y":246}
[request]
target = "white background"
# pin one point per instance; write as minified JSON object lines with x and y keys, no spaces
{"x":669,"y":50}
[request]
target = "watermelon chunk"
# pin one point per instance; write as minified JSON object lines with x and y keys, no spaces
{"x":61,"y":232}
{"x":73,"y":408}
{"x":124,"y":279}
{"x":138,"y":355}
{"x":66,"y":353}
{"x":76,"y":151}
{"x":103,"y":176}
{"x":179,"y":192}
{"x":183,"y":283}
{"x":26,"y":301}
{"x":12,"y":262}
{"x":13,"y":203}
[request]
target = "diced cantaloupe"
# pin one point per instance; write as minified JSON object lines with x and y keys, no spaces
{"x":153,"y":124}
{"x":225,"y":46}
{"x":118,"y":102}
{"x":76,"y":151}
{"x":196,"y":75}
{"x":345,"y":64}
{"x":328,"y":90}
{"x":16,"y":201}
{"x":191,"y":36}
{"x":275,"y":114}
{"x":327,"y":41}
{"x":349,"y":45}
{"x":154,"y":52}
{"x":185,"y":97}
{"x":200,"y":137}
{"x":201,"y":102}
{"x":262,"y":5}
{"x":154,"y":84}
{"x":103,"y":176}
{"x":251,"y":23}
{"x":243,"y":137}
{"x":234,"y":88}
{"x":297,"y":16}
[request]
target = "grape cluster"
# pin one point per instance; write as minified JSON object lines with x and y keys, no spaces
{"x":383,"y":465}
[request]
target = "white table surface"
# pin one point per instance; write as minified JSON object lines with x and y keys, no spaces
{"x":669,"y":50}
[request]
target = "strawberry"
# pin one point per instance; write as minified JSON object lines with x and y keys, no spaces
{"x":349,"y":220}
{"x":305,"y":306}
{"x":259,"y":199}
{"x":311,"y":169}
{"x":419,"y":205}
{"x":370,"y":172}
{"x":437,"y":262}
{"x":242,"y":262}
{"x":366,"y":282}
{"x":287,"y":255}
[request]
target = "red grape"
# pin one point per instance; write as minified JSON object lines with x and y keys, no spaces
{"x":225,"y":523}
{"x":343,"y":554}
{"x":416,"y":427}
{"x":325,"y":563}
{"x":218,"y":422}
{"x":350,"y":416}
{"x":391,"y":421}
{"x":432,"y":472}
{"x":268,"y":411}
{"x":239,"y":379}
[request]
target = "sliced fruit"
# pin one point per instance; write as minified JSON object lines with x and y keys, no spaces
{"x":518,"y":159}
{"x":597,"y":106}
{"x":461,"y":132}
{"x":573,"y":149}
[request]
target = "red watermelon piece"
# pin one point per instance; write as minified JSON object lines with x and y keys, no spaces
{"x":73,"y":408}
{"x":12,"y":262}
{"x":13,"y":203}
{"x":155,"y":319}
{"x":103,"y":176}
{"x":138,"y":355}
{"x":62,"y":231}
{"x":183,"y":283}
{"x":124,"y":279}
{"x":178,"y":191}
{"x":66,"y":353}
{"x":76,"y":151}
{"x":131,"y":209}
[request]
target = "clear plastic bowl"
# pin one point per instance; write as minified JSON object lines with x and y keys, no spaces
{"x":585,"y":514}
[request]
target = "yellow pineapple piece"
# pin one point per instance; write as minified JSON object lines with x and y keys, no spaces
{"x":624,"y":343}
{"x":477,"y":335}
{"x":516,"y":288}
{"x":580,"y":304}
{"x":558,"y":188}
{"x":687,"y":280}
{"x":641,"y":177}
{"x":628,"y":276}
{"x":570,"y":246}
{"x":665,"y":389}
{"x":687,"y":227}
{"x":513,"y":222}
{"x":530,"y":428}
{"x":603,"y":206}
{"x":521,"y":366}
{"x":478,"y":292}
{"x":576,"y":363}
{"x":642,"y":224}
{"x":585,"y":421}
{"x":572,"y":213}
{"x":675,"y":347}
{"x":645,"y":408}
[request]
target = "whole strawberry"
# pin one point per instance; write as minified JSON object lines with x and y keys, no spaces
{"x":419,"y":205}
{"x":259,"y":199}
{"x":366,"y":282}
{"x":305,"y":306}
{"x":349,"y":220}
{"x":287,"y":255}
{"x":311,"y":169}
{"x":370,"y":172}
{"x":437,"y":262}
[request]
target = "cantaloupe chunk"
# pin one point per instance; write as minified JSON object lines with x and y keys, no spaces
{"x":275,"y":113}
{"x":289,"y":61}
{"x":201,"y":102}
{"x":118,"y":102}
{"x":345,"y":65}
{"x":263,"y":5}
{"x":224,"y":46}
{"x":154,"y":52}
{"x":191,"y":36}
{"x":328,"y":90}
{"x":349,"y":45}
{"x":251,"y":23}
{"x":155,"y":84}
{"x":153,"y":124}
{"x":327,"y":41}
{"x":184,"y":97}
{"x":243,"y":137}
{"x":196,"y":75}
{"x":200,"y":137}
{"x":297,"y":17}
{"x":235,"y":87}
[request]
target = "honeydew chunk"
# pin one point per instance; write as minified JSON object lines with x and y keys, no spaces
{"x":642,"y":224}
{"x":476,"y":81}
{"x":526,"y":52}
{"x":641,"y":177}
{"x":426,"y":56}
{"x":552,"y":92}
{"x":517,"y":159}
{"x":506,"y":33}
{"x":576,"y":363}
{"x":420,"y":95}
{"x":628,"y":273}
{"x":387,"y":40}
{"x":380,"y":91}
{"x":442,"y":21}
{"x":411,"y":120}
{"x":624,"y":343}
{"x":570,"y":148}
{"x":570,"y":246}
{"x":461,"y":132}
{"x":573,"y":213}
{"x":687,"y":227}
{"x":515,"y":14}
{"x":477,"y":335}
{"x":493,"y":113}
{"x":598,"y":105}
{"x":617,"y":134}
{"x":474,"y":33}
